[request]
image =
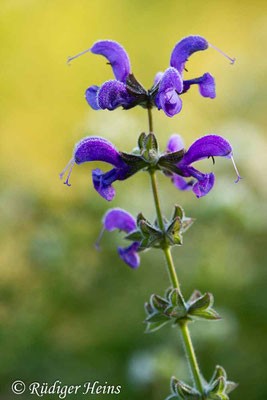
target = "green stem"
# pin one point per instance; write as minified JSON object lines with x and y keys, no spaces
{"x":156,"y":198}
{"x":171,"y":268}
{"x":189,"y":348}
{"x":150,"y":120}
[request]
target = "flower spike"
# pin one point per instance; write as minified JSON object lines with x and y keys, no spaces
{"x":225,"y":55}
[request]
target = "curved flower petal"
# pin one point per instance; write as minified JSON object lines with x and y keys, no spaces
{"x":207,"y":146}
{"x":96,"y":148}
{"x":113,"y":94}
{"x":117,"y":57}
{"x":175,"y":143}
{"x":167,"y":98}
{"x":204,"y":186}
{"x":181,"y":183}
{"x":184,"y":49}
{"x":129,"y":255}
{"x":206,"y":85}
{"x":118,"y":218}
{"x":158,"y":77}
{"x":103,"y":183}
{"x":91,"y":97}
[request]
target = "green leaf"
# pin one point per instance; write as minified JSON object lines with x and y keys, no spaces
{"x":132,"y":159}
{"x":148,"y":229}
{"x":217,"y":396}
{"x":175,"y":225}
{"x":169,"y":167}
{"x":219,"y":371}
{"x":150,"y":142}
{"x":230,"y":386}
{"x":187,"y":392}
{"x":172,"y":158}
{"x":148,"y":242}
{"x":178,"y":212}
{"x":135,"y":236}
{"x":187,"y":223}
{"x":173,"y":232}
{"x":167,"y":292}
{"x":194,"y":296}
{"x":157,"y":317}
{"x":218,"y":386}
{"x":176,"y":299}
{"x":202,"y":303}
{"x":174,"y":382}
{"x":154,"y":326}
{"x":177,"y":239}
{"x":141,"y":141}
{"x":140,"y":218}
{"x":205,"y":314}
{"x":144,"y":244}
{"x":148,"y":308}
{"x":178,"y":312}
{"x":158,"y":302}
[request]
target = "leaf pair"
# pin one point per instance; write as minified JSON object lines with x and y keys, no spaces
{"x":173,"y":308}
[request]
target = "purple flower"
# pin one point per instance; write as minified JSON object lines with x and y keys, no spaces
{"x":116,"y":218}
{"x":113,"y":93}
{"x":94,"y":148}
{"x":127,"y":92}
{"x":167,"y":98}
{"x":205,"y":147}
{"x":171,"y":91}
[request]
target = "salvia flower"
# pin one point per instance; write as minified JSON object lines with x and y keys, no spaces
{"x":127,"y":92}
{"x":205,"y":147}
{"x":117,"y":218}
{"x":95,"y":148}
{"x":175,"y":161}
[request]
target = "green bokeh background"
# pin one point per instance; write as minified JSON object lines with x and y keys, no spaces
{"x":70,"y":313}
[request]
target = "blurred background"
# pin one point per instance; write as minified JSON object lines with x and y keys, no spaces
{"x":70,"y":313}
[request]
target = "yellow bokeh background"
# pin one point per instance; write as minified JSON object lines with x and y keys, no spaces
{"x":43,"y":113}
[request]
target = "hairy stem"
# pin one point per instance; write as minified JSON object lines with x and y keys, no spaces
{"x":167,"y":250}
{"x":150,"y":120}
{"x":190,"y":352}
{"x":189,"y":348}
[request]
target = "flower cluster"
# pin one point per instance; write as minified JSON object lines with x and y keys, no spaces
{"x":127,"y":92}
{"x":175,"y":161}
{"x":217,"y":388}
{"x":143,"y":234}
